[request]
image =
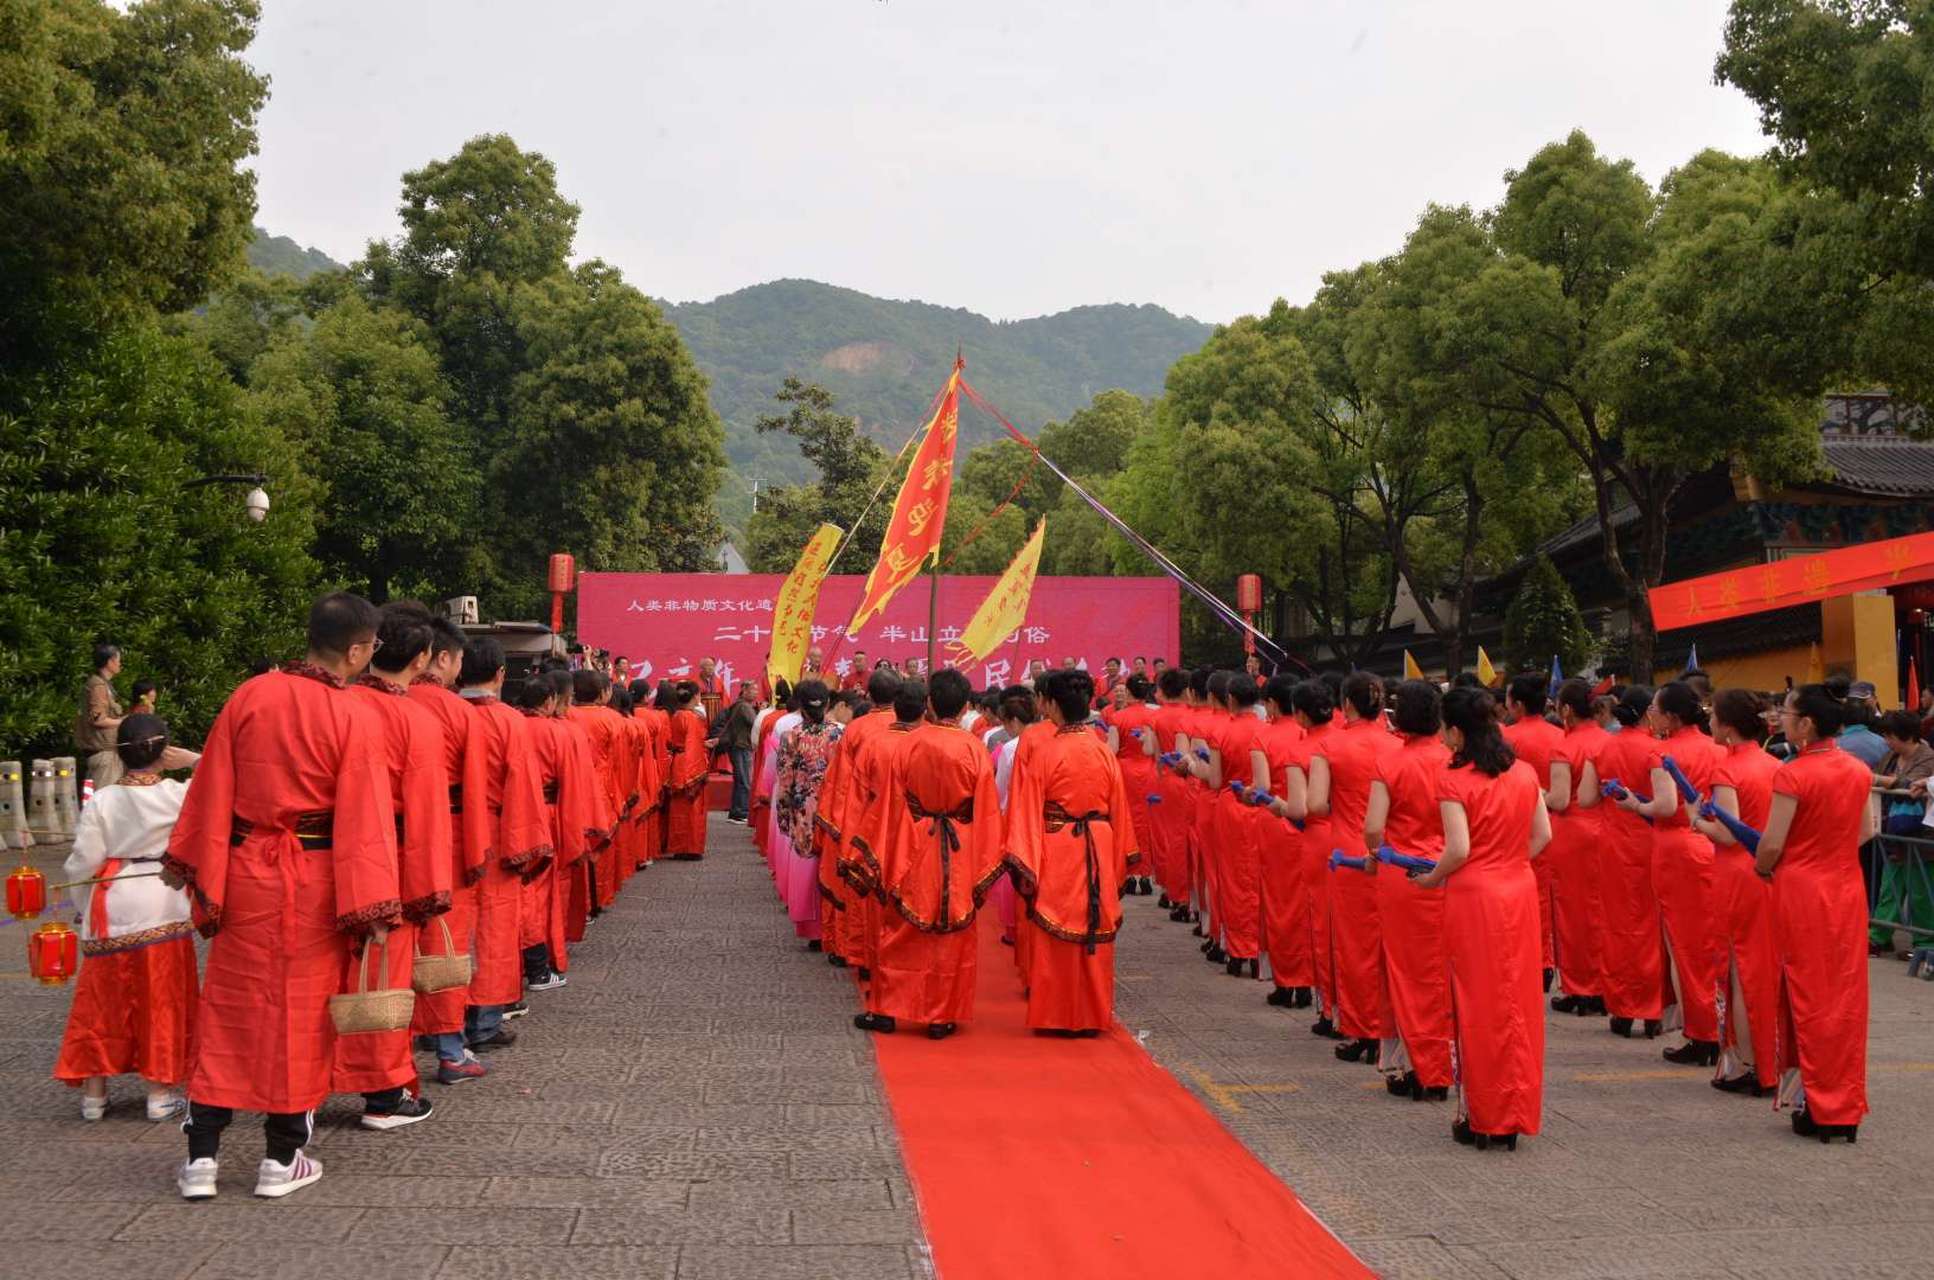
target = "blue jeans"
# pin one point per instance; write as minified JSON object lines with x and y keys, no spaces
{"x":450,"y":1046}
{"x":741,"y":782}
{"x":480,"y":1022}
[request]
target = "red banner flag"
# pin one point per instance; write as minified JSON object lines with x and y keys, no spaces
{"x":1796,"y":580}
{"x":920,"y":511}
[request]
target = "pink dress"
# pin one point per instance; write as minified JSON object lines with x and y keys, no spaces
{"x":803,"y":758}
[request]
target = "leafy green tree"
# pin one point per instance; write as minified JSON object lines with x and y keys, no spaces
{"x":243,"y":320}
{"x":360,"y":392}
{"x":122,"y":188}
{"x":995,"y":537}
{"x":850,"y":469}
{"x":1542,"y":620}
{"x":103,"y":539}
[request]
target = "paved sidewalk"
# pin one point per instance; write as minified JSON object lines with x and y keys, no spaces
{"x":696,"y":1106}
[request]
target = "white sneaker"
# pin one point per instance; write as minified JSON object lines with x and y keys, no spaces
{"x":196,"y":1179}
{"x":273,"y":1181}
{"x":93,"y":1108}
{"x":166,"y":1106}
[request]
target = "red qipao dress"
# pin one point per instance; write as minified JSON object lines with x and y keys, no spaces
{"x":1138,"y":775}
{"x":1356,"y":948}
{"x":134,"y":1002}
{"x":1239,"y":834}
{"x":1820,"y":924}
{"x":1538,"y":742}
{"x":1070,"y":842}
{"x":1577,"y":855}
{"x":1169,"y":816}
{"x":1416,"y":971}
{"x":1491,"y":921}
{"x":287,"y":845}
{"x":1682,"y":878}
{"x":1317,"y":847}
{"x":1633,"y":957}
{"x":1749,"y":979}
{"x":1285,"y":886}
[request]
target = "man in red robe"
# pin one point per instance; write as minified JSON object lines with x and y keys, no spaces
{"x":691,"y":762}
{"x":519,"y":837}
{"x":937,"y":845}
{"x":596,"y":812}
{"x":546,"y":886}
{"x":1070,"y":843}
{"x":439,"y":1015}
{"x":287,"y":846}
{"x":837,"y":813}
{"x":611,"y":750}
{"x":379,"y":1065}
{"x":859,"y":864}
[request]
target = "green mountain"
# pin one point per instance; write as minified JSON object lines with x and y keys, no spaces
{"x":281,"y":256}
{"x":885,"y":359}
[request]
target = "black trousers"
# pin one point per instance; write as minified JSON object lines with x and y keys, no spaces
{"x":285,"y":1131}
{"x":537,"y":962}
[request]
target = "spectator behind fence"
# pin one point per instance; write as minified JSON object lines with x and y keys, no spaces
{"x":100,"y":717}
{"x":1858,"y":739}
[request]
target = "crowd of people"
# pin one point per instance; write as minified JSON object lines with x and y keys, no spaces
{"x":388,"y":845}
{"x":1418,"y":866}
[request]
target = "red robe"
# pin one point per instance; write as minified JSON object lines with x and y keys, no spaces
{"x":1491,"y":922}
{"x":1204,"y":728}
{"x":1138,"y":775}
{"x":568,"y":789}
{"x":1749,"y":979}
{"x":1537,"y":742}
{"x":442,"y":1012}
{"x":1682,"y":877}
{"x":690,"y":764}
{"x":1416,"y":970}
{"x":1577,"y":854}
{"x":839,"y":905}
{"x":859,"y":863}
{"x":1070,"y":842}
{"x":287,"y":843}
{"x":648,"y":726}
{"x":1820,"y":926}
{"x":1356,"y":948}
{"x":610,"y":751}
{"x":1284,"y":876}
{"x":419,"y":783}
{"x":520,"y":838}
{"x":1032,"y":739}
{"x":594,"y":813}
{"x":937,"y":843}
{"x":1316,"y":869}
{"x":1634,"y":946}
{"x":1170,"y":818}
{"x":1239,"y":830}
{"x":762,"y":804}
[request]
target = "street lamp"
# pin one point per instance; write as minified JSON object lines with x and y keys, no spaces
{"x":257,"y":501}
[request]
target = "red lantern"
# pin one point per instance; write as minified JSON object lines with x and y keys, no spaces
{"x":53,"y":953}
{"x":1249,"y":593}
{"x":26,"y":893}
{"x":563,"y":575}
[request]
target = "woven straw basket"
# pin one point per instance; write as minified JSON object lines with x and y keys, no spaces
{"x":430,"y":974}
{"x":364,"y":1011}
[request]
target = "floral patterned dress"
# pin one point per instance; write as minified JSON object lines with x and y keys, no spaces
{"x":803,"y":757}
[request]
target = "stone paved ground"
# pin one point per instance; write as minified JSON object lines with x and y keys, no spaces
{"x":695,"y":1106}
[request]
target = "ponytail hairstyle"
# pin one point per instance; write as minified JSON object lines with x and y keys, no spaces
{"x":1633,"y":704}
{"x":1474,"y":714}
{"x":1680,"y":701}
{"x":1742,"y":711}
{"x":812,"y":697}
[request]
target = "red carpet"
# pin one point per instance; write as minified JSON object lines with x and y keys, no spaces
{"x":1074,"y":1159}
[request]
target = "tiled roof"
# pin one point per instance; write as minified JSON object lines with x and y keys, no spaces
{"x":1887,"y":466}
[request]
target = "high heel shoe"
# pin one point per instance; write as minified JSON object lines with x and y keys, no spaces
{"x":1403,"y":1086}
{"x":1694,"y":1053}
{"x":1216,"y":955}
{"x":1745,"y":1082}
{"x":1357,"y":1051}
{"x":1461,"y":1131}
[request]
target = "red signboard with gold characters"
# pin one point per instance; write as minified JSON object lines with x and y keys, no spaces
{"x":1796,"y":580}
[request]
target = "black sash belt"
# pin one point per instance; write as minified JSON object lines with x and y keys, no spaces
{"x":1057,"y":819}
{"x":949,"y":839}
{"x":313,"y":830}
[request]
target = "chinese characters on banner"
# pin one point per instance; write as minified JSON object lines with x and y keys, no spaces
{"x":1004,"y":610}
{"x":920,"y":510}
{"x":792,"y":618}
{"x":665,"y":622}
{"x":1795,"y":580}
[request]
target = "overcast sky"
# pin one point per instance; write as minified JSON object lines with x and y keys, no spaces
{"x":1013,"y":158}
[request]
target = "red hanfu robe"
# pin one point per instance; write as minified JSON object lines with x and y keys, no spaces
{"x":1578,"y":854}
{"x":471,"y":834}
{"x":603,"y":726}
{"x":1416,"y":970}
{"x":1820,"y":925}
{"x":593,"y":813}
{"x":1033,"y":738}
{"x":1491,"y":922}
{"x":420,"y":795}
{"x":567,"y":787}
{"x":1634,"y":944}
{"x":1170,"y":818}
{"x":690,"y":763}
{"x":1317,"y":847}
{"x":859,"y":862}
{"x":1538,"y":742}
{"x":937,"y":841}
{"x":520,"y":837}
{"x":287,"y":845}
{"x":1749,"y":979}
{"x":757,"y":815}
{"x":1284,"y":874}
{"x":1356,"y":948}
{"x":1682,"y":878}
{"x":1070,"y":845}
{"x":647,"y":725}
{"x":839,"y":905}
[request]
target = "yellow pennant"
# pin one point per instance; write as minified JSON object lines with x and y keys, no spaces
{"x":1411,"y":671}
{"x":792,"y":613}
{"x":1487,"y":675}
{"x":1004,"y":610}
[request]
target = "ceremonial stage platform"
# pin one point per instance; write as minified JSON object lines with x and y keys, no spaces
{"x":697,"y":1106}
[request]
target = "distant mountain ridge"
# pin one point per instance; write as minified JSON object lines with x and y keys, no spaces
{"x":281,"y":256}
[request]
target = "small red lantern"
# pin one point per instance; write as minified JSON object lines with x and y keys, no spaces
{"x":564,"y":573}
{"x":26,"y":893}
{"x":1249,"y":593}
{"x":53,"y":953}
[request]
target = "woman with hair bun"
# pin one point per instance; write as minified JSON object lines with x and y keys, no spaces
{"x":1633,"y":957}
{"x":1817,"y":822}
{"x":802,"y":759}
{"x":1493,"y":810}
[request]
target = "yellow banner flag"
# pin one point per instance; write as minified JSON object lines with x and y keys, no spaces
{"x":1005,"y":608}
{"x":1487,"y":675}
{"x":1411,"y":671}
{"x":792,"y":613}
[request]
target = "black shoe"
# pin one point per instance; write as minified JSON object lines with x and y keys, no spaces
{"x":501,"y":1038}
{"x":1282,"y":998}
{"x":1547,"y":978}
{"x":1235,"y":966}
{"x":814,"y":944}
{"x":1179,"y":914}
{"x":941,"y":1030}
{"x":1596,"y":1009}
{"x":1622,"y":1027}
{"x":1432,"y":1093}
{"x":1148,"y":886}
{"x":1806,"y":1127}
{"x":1694,"y":1053}
{"x":865,"y":974}
{"x":1215,"y":954}
{"x":1198,"y":931}
{"x":838,"y":962}
{"x":1460,"y":1131}
{"x":1403,"y":1086}
{"x":1745,"y":1082}
{"x":1357,"y":1051}
{"x":1305,"y":997}
{"x":1568,"y":1004}
{"x":1653,"y":1028}
{"x":687,"y":857}
{"x":1325,"y":1028}
{"x":1165,"y":904}
{"x":876,"y":1022}
{"x":1255,"y":969}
